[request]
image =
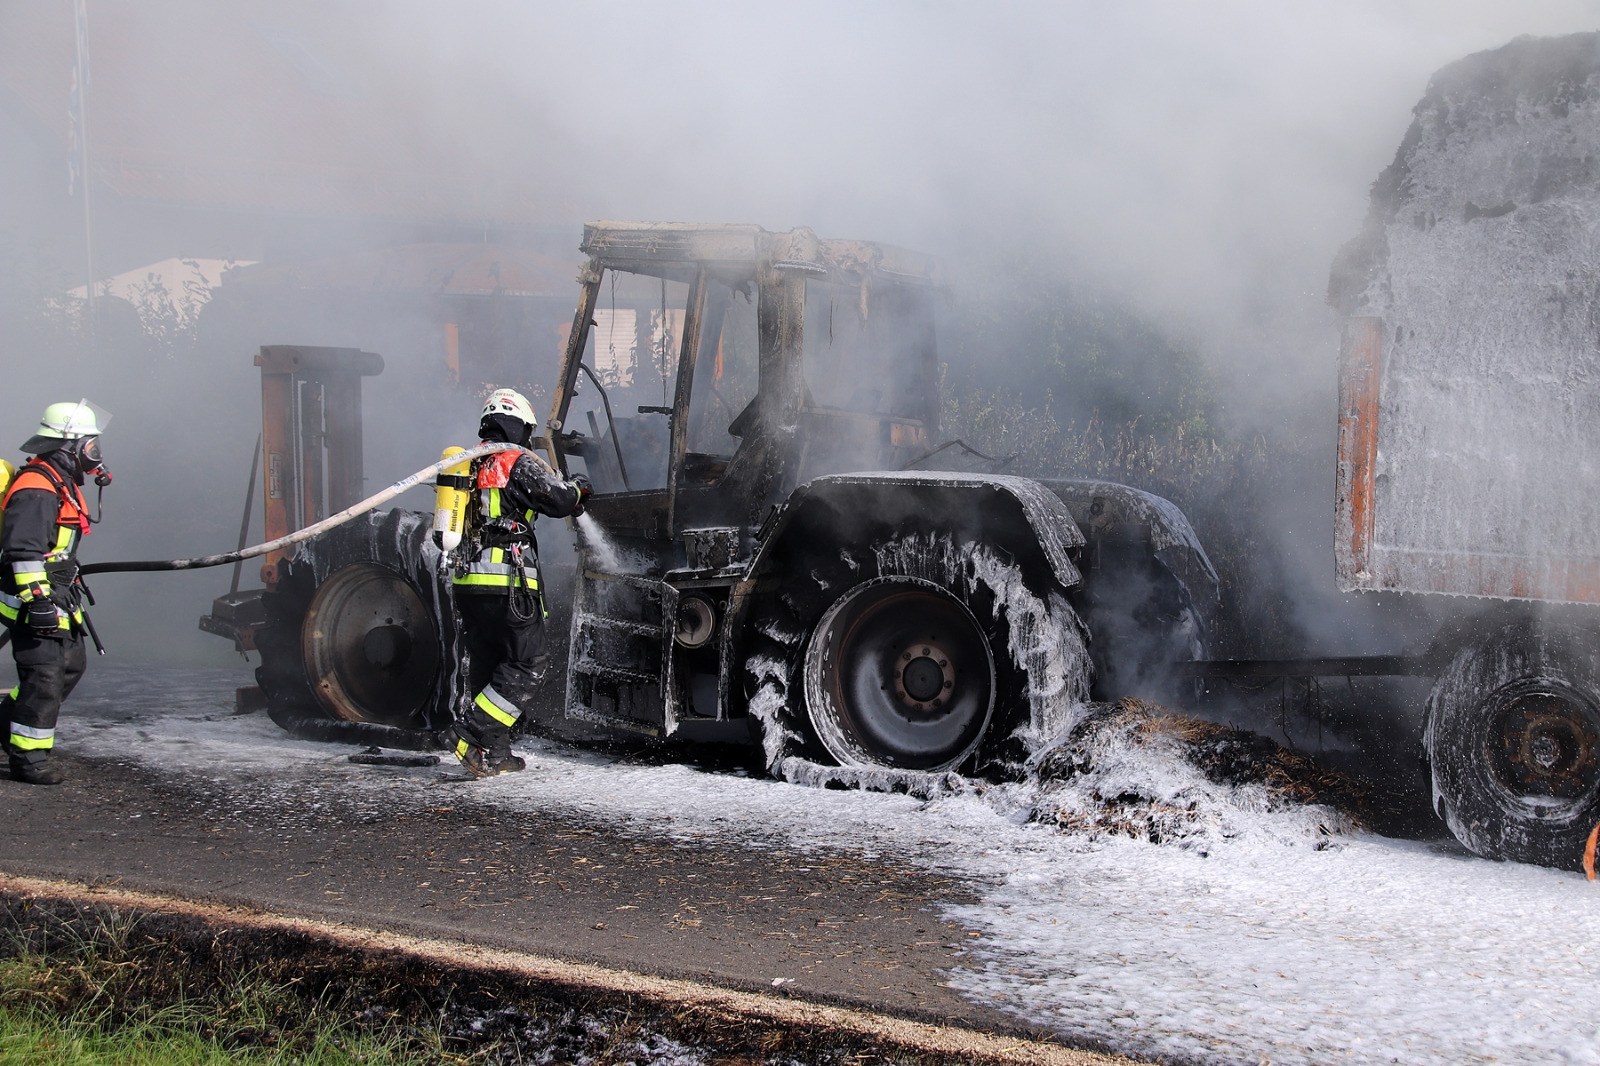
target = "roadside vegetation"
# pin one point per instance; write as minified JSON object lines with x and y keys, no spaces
{"x":33,"y":1039}
{"x":86,"y":989}
{"x":85,"y":985}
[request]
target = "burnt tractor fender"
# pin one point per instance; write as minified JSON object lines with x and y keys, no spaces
{"x":1016,"y":514}
{"x":1149,"y":589}
{"x":1106,"y":505}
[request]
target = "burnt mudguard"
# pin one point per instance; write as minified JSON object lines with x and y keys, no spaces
{"x":1172,"y":539}
{"x":1017,"y":514}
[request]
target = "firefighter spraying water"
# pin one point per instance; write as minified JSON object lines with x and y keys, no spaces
{"x":484,"y":523}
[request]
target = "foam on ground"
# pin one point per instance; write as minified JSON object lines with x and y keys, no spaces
{"x":1256,"y":946}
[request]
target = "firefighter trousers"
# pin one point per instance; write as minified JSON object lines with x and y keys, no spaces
{"x":48,"y":670}
{"x":505,"y":664}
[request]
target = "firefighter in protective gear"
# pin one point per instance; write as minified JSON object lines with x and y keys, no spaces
{"x":45,"y":517}
{"x":497,"y":589}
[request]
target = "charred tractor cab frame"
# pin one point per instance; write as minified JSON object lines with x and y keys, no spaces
{"x":780,"y":590}
{"x":647,"y":636}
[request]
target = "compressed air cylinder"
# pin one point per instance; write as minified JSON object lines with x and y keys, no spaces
{"x":450,"y":501}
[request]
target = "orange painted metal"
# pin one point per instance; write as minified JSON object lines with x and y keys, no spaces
{"x":277,"y":444}
{"x":311,"y":435}
{"x":341,"y":417}
{"x":312,"y":452}
{"x":1360,"y":371}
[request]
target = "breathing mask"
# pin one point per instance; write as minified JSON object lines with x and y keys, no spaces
{"x":86,"y":453}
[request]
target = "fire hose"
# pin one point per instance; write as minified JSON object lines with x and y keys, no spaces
{"x":356,"y":732}
{"x":376,"y":500}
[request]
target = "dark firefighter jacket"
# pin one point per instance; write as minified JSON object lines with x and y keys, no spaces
{"x":45,"y":518}
{"x":513,"y":489}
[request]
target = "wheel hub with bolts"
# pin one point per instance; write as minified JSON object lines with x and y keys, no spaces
{"x":923,"y":677}
{"x":1544,"y":744}
{"x":369,"y":646}
{"x":1513,"y":742}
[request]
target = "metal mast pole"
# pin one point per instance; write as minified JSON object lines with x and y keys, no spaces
{"x":81,"y":27}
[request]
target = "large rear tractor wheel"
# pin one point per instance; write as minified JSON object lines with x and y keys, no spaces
{"x":357,"y":629}
{"x":899,"y":673}
{"x":921,"y":655}
{"x":1514,"y":741}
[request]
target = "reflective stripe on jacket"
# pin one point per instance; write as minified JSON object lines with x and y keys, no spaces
{"x":12,"y":606}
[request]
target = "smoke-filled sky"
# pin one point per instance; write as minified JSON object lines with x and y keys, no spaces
{"x":1202,"y":159}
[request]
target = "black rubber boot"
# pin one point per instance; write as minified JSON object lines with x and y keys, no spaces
{"x":510,"y":764}
{"x":33,"y":768}
{"x":481,"y":763}
{"x":484,"y":750}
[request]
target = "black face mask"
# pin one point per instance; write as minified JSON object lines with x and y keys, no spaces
{"x":87,"y":451}
{"x":504,"y":428}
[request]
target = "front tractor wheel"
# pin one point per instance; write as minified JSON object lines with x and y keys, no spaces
{"x":899,"y":673}
{"x":1514,"y":741}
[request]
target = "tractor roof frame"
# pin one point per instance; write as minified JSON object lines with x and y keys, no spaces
{"x":694,"y":254}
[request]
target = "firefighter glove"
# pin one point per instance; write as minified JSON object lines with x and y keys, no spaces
{"x":42,"y":618}
{"x":585,"y":489}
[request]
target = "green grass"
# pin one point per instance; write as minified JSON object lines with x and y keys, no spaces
{"x":36,"y":1038}
{"x":99,"y":992}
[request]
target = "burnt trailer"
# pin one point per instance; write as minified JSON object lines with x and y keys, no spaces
{"x":1469,"y":435}
{"x":765,"y":561}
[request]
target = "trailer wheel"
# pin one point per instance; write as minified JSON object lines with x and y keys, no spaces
{"x":1514,"y":741}
{"x":354,"y":630}
{"x":922,"y":654}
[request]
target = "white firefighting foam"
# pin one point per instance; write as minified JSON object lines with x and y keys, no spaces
{"x":605,"y":554}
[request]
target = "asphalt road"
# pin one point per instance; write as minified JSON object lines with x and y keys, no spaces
{"x":833,"y":927}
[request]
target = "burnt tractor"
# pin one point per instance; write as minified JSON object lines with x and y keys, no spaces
{"x":764,"y":561}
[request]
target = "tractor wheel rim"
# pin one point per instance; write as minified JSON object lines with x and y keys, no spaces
{"x":899,"y":673}
{"x":1544,"y":746}
{"x":370,"y":648}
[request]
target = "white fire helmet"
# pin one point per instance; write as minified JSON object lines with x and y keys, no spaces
{"x":512,"y":403}
{"x":65,"y":422}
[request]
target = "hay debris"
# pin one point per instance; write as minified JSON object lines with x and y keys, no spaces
{"x":1136,"y":769}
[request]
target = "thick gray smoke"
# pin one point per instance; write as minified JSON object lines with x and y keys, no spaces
{"x":1193,"y":168}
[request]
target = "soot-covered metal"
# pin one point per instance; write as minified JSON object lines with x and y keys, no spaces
{"x":756,"y":566}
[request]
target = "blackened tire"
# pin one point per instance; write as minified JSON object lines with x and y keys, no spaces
{"x":922,"y":654}
{"x":1513,"y":738}
{"x":360,"y":628}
